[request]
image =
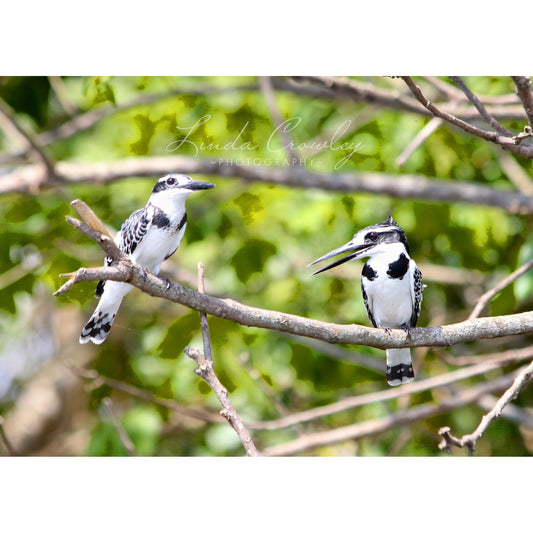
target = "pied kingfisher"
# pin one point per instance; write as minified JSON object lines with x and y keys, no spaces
{"x":149,"y":236}
{"x":391,"y":284}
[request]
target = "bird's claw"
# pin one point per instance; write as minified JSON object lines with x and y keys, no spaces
{"x":386,"y":330}
{"x":407,"y":330}
{"x":166,"y":280}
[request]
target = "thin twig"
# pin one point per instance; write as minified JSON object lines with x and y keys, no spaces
{"x":485,"y":115}
{"x":9,"y":119}
{"x":97,"y":380}
{"x":3,"y":437}
{"x":508,"y":143}
{"x":203,"y":317}
{"x":265,"y":83}
{"x":507,"y":356}
{"x":523,"y":90}
{"x":58,"y":86}
{"x":487,"y":297}
{"x":469,"y":441}
{"x":515,"y":172}
{"x":519,"y":415}
{"x":90,"y":218}
{"x":123,"y":436}
{"x":420,"y":137}
{"x":206,"y":372}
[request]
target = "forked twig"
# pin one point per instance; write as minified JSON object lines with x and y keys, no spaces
{"x":487,"y":297}
{"x":206,"y":372}
{"x":523,"y":90}
{"x":469,"y":441}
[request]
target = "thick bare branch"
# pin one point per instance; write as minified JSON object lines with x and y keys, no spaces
{"x":26,"y":178}
{"x":480,"y":328}
{"x":467,"y":331}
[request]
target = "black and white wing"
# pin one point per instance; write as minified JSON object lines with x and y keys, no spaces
{"x":367,"y":303}
{"x":416,"y":293}
{"x":130,"y":235}
{"x":133,"y":230}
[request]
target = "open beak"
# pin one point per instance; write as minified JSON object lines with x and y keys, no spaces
{"x":356,"y":250}
{"x":197,"y":185}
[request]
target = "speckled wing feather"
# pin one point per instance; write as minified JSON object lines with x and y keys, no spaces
{"x":130,"y":235}
{"x":416,"y":290}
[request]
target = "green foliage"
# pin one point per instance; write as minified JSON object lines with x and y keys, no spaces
{"x":255,"y":240}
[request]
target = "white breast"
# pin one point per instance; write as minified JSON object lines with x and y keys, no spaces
{"x":155,"y":246}
{"x":389,"y":299}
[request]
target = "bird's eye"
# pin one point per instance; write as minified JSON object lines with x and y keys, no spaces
{"x":171,"y":181}
{"x":372,"y":236}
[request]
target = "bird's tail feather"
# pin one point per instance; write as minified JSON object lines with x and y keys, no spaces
{"x":99,"y":325}
{"x":399,"y":366}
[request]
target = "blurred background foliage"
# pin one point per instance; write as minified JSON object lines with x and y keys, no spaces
{"x":255,"y":241}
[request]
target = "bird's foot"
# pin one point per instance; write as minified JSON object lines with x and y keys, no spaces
{"x":144,"y":273}
{"x":385,"y":329}
{"x":166,"y":280}
{"x":407,"y":330}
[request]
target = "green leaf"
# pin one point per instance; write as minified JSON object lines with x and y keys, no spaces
{"x":251,"y":258}
{"x":179,"y":335}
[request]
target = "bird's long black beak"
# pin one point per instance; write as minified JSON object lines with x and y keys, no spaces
{"x":198,"y":185}
{"x":355,"y":249}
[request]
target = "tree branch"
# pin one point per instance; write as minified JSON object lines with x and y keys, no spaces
{"x":523,"y":90}
{"x":487,"y":297}
{"x":28,"y":177}
{"x":469,"y":330}
{"x":504,"y":107}
{"x":8,"y":118}
{"x":205,"y":370}
{"x":203,"y":317}
{"x":380,"y":425}
{"x":97,"y":380}
{"x":392,"y":394}
{"x":469,"y":441}
{"x":485,"y":115}
{"x":505,"y":142}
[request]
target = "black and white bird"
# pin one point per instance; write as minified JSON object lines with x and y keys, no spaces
{"x":149,"y":236}
{"x":391,"y":284}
